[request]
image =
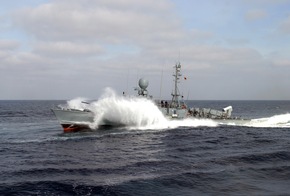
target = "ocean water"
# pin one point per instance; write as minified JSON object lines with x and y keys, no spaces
{"x":193,"y":157}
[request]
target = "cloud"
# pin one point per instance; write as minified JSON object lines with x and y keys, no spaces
{"x":23,"y":61}
{"x":253,"y":15}
{"x":200,"y":35}
{"x":212,"y":56}
{"x":285,"y":26}
{"x":6,"y":47}
{"x":80,"y":47}
{"x":102,"y":29}
{"x":282,"y":63}
{"x":9,"y":44}
{"x":266,"y":2}
{"x":84,"y":28}
{"x":63,"y":49}
{"x":238,"y":41}
{"x":109,"y":21}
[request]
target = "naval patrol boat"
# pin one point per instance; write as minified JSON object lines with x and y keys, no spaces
{"x":72,"y":119}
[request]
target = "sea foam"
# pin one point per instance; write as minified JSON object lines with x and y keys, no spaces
{"x":282,"y":120}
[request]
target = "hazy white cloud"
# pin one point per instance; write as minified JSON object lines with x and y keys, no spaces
{"x":282,"y":63}
{"x":213,"y":56}
{"x":22,"y":61}
{"x":80,"y":47}
{"x":9,"y":44}
{"x":200,"y":35}
{"x":238,"y":41}
{"x":285,"y":26}
{"x":113,"y":22}
{"x":257,"y":14}
{"x":266,"y":2}
{"x":67,"y":49}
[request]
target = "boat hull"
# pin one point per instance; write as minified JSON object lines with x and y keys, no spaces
{"x":74,"y":120}
{"x":78,"y":120}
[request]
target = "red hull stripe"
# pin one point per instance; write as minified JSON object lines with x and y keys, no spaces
{"x":67,"y":128}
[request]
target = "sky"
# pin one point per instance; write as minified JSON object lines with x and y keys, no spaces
{"x":63,"y":49}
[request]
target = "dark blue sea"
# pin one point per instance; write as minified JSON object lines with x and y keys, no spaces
{"x":37,"y":158}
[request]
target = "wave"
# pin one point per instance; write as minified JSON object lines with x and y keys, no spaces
{"x":276,"y":121}
{"x":282,"y":120}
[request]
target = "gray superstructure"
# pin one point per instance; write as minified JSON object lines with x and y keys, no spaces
{"x":178,"y":109}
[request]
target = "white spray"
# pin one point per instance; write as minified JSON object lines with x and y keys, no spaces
{"x":77,"y":103}
{"x":128,"y":111}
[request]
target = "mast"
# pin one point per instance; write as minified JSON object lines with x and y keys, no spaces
{"x":175,"y":95}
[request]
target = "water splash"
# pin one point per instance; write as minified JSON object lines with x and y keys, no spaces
{"x":127,"y":111}
{"x":77,"y":103}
